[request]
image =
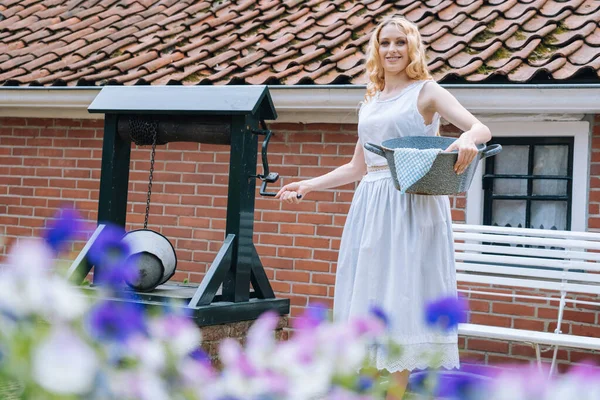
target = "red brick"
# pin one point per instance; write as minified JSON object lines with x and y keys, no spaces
{"x":277,"y":262}
{"x":281,"y":287}
{"x":317,"y":149}
{"x":327,"y":255}
{"x":301,"y":301}
{"x":318,"y":219}
{"x":457,"y":215}
{"x":312,"y":242}
{"x":318,"y":290}
{"x":319,"y":278}
{"x":304,"y":206}
{"x":67,"y":122}
{"x":498,"y":359}
{"x":272,"y":216}
{"x":347,"y":150}
{"x":305,"y":138}
{"x":300,"y":229}
{"x":513,"y":309}
{"x":578,"y":356}
{"x":329,"y":231}
{"x":292,"y":276}
{"x":584,"y":330}
{"x":292,"y":252}
{"x":333,"y":208}
{"x":585,"y":317}
{"x":488,"y":345}
{"x":295,"y":159}
{"x":276,"y":239}
{"x":333,"y":161}
{"x":341,"y":137}
{"x":529,"y":324}
{"x":471,"y":356}
{"x":479,"y":305}
{"x":311,"y":265}
{"x":193,"y":222}
{"x":487,"y":319}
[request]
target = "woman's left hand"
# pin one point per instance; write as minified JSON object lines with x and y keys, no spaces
{"x":467,"y":151}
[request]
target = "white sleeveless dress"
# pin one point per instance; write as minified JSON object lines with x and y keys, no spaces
{"x":397,"y":250}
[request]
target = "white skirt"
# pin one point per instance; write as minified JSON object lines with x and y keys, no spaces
{"x":397,"y":252}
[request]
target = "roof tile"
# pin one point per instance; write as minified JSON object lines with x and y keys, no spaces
{"x":93,"y":47}
{"x":287,"y":41}
{"x":38,"y":62}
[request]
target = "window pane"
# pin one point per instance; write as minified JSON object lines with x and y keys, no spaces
{"x":512,"y":160}
{"x":510,"y":186}
{"x":550,"y":160}
{"x":549,"y":215}
{"x":549,"y":187}
{"x":509,"y":213}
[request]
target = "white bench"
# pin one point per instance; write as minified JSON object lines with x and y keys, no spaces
{"x":546,"y":264}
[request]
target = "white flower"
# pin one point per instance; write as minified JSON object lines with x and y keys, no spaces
{"x":30,"y":257}
{"x":64,"y":301}
{"x":64,"y":364}
{"x":181,"y":333}
{"x":150,"y":353}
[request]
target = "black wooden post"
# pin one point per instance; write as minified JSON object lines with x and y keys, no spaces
{"x":240,"y":207}
{"x":114,"y":177}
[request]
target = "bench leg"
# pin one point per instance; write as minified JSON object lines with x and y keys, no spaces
{"x":538,"y":356}
{"x":553,"y":365}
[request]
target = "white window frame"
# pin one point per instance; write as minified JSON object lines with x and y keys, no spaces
{"x":579,"y":130}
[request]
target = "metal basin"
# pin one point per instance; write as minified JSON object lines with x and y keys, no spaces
{"x":441,"y":178}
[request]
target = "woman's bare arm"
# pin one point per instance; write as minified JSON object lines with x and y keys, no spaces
{"x":351,"y":172}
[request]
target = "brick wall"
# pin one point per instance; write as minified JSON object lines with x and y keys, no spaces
{"x":594,"y":198}
{"x":46,"y":163}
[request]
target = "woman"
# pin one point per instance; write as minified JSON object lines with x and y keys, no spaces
{"x":397,"y":249}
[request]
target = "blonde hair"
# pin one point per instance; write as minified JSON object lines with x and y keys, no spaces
{"x":416,"y":69}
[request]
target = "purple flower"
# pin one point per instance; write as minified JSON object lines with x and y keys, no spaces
{"x":64,"y":228}
{"x":364,"y":383}
{"x":116,"y":321}
{"x":110,"y":256}
{"x":460,"y":385}
{"x":378,"y":313}
{"x":200,"y":356}
{"x":447,"y":312}
{"x":312,"y":317}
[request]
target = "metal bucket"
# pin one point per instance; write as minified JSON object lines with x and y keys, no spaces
{"x":155,"y":257}
{"x":441,"y":178}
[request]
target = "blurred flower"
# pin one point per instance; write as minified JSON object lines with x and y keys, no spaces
{"x":378,"y":313}
{"x":110,"y":256}
{"x":461,"y":385}
{"x":180,"y":332}
{"x":116,"y":320}
{"x":28,"y":287}
{"x":64,"y":228}
{"x":364,"y":383}
{"x":29,"y":257}
{"x":312,"y":317}
{"x":447,"y":312}
{"x":233,"y":357}
{"x":64,"y":364}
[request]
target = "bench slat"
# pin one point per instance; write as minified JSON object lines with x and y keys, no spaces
{"x":556,"y":276}
{"x":544,"y":338}
{"x":527,"y":261}
{"x":527,"y":251}
{"x":528,"y":283}
{"x":548,"y":233}
{"x":534,"y":241}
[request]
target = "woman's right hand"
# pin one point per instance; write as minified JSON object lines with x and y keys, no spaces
{"x":293,"y":193}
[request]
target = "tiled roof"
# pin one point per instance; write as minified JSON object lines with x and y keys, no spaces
{"x":96,"y":42}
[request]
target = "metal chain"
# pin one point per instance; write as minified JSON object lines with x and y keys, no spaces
{"x":153,"y":127}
